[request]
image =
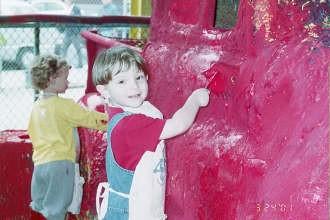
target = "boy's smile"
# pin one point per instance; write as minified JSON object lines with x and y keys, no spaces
{"x":134,"y":96}
{"x":127,"y":88}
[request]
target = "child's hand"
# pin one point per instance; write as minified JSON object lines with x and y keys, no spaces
{"x":184,"y":117}
{"x":94,"y":101}
{"x":201,"y":96}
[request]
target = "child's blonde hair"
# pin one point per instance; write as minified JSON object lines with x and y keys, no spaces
{"x":43,"y":68}
{"x":114,"y":60}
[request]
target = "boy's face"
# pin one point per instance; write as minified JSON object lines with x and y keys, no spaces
{"x":126,"y":89}
{"x":60,"y":83}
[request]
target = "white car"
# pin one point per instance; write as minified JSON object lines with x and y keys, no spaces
{"x":16,"y":8}
{"x":17,"y":41}
{"x":51,"y":7}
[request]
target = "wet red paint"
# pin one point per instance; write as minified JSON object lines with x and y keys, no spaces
{"x":15,"y":174}
{"x":221,"y":78}
{"x":260,"y":149}
{"x":92,"y":157}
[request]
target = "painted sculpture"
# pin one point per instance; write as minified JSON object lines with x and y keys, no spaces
{"x":260,"y":150}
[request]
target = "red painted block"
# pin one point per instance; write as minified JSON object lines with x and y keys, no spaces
{"x":15,"y":175}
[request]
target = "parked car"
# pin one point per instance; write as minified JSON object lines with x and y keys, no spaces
{"x":12,"y":46}
{"x":50,"y":7}
{"x":15,"y":8}
{"x":17,"y":41}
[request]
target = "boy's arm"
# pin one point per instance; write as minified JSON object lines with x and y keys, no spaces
{"x":185,"y":116}
{"x":79,"y":116}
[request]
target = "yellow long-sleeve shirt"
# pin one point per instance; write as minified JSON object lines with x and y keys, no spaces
{"x":51,"y":128}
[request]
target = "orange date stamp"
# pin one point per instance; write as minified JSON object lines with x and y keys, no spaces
{"x":271,"y":206}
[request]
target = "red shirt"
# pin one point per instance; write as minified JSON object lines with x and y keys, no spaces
{"x":132,"y":136}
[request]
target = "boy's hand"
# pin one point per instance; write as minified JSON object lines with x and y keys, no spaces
{"x":185,"y":116}
{"x":94,"y":101}
{"x":201,"y":96}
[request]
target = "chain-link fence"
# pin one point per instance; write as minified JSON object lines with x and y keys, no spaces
{"x":20,"y":43}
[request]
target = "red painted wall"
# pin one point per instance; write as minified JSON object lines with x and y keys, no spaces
{"x":260,"y":149}
{"x":15,"y":171}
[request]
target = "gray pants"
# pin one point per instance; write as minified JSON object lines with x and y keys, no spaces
{"x":52,"y":188}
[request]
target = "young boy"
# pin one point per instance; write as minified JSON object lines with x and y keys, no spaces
{"x":50,"y":128}
{"x":135,"y":128}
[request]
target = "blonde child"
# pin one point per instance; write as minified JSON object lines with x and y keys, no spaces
{"x":135,"y":129}
{"x":51,"y":129}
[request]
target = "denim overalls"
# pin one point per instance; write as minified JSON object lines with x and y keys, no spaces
{"x":119,"y":179}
